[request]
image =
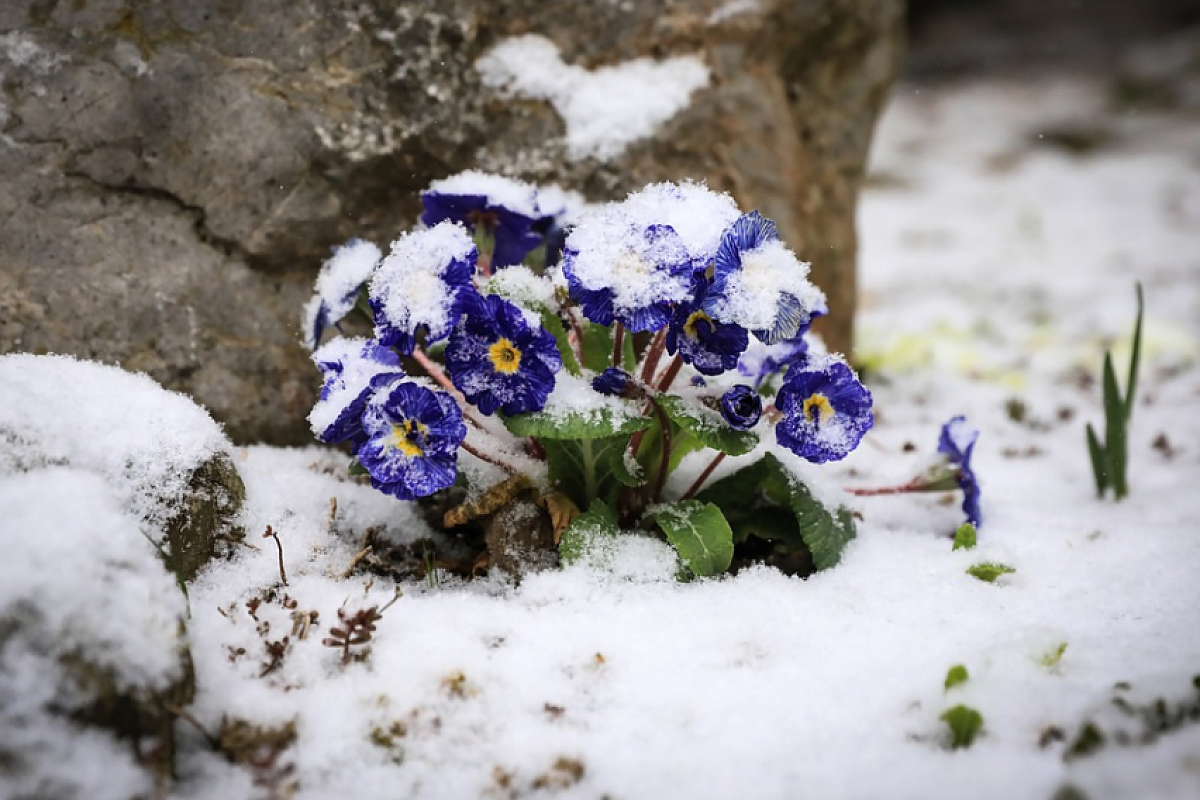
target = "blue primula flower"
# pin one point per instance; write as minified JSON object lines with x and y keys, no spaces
{"x":826,"y":411}
{"x":413,"y":434}
{"x":759,"y":284}
{"x":499,"y":359}
{"x":711,"y":347}
{"x":764,"y":361}
{"x":419,"y":288}
{"x":352,"y":369}
{"x":338,"y":284}
{"x":620,"y":270}
{"x":957,"y":442}
{"x":741,"y":407}
{"x":505,"y":210}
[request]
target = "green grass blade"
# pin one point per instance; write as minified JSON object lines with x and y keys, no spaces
{"x":1114,"y":429}
{"x":1135,"y":357}
{"x":1099,"y":461}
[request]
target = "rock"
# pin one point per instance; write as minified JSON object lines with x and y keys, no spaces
{"x":176,"y":172}
{"x":93,"y":656}
{"x":162,"y":456}
{"x":520,"y":538}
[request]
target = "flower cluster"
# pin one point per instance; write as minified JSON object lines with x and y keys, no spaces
{"x":659,"y":324}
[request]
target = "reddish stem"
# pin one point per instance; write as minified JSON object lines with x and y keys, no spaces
{"x":433,"y":370}
{"x":669,"y":376}
{"x":654,"y":355}
{"x":665,"y":462}
{"x":695,"y":487}
{"x":618,"y":344}
{"x":482,"y":456}
{"x":911,"y":486}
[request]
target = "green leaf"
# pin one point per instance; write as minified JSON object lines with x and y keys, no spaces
{"x":964,"y":537}
{"x":554,"y":325}
{"x":581,"y":535}
{"x":1099,"y":457}
{"x":988,"y":571}
{"x":965,"y":724}
{"x":1135,"y":357}
{"x":707,"y":426}
{"x":1052,"y":658}
{"x":582,"y":469}
{"x":1114,"y":428}
{"x":357,"y":468}
{"x":625,"y":473}
{"x":600,"y":423}
{"x":700,"y":534}
{"x":957,"y":674}
{"x":598,"y":347}
{"x":1088,"y":741}
{"x":768,"y":522}
{"x":824,"y":532}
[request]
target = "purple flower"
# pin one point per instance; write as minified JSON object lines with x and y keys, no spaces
{"x":759,"y":284}
{"x":957,"y":442}
{"x":741,"y":407}
{"x":413,"y":434}
{"x":501,"y":208}
{"x":419,"y":288}
{"x":763,"y":361}
{"x":711,"y":347}
{"x":499,"y":359}
{"x":352,"y":369}
{"x":612,"y":381}
{"x":826,"y":411}
{"x":337,"y":287}
{"x":618,"y":270}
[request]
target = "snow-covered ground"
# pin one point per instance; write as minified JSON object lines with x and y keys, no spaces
{"x":995,"y":271}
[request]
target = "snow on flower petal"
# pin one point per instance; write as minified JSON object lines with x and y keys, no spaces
{"x":504,"y":208}
{"x":337,"y":287}
{"x":741,"y":407}
{"x":826,"y":411}
{"x":412,"y":439}
{"x":351,"y":369}
{"x":501,"y":359}
{"x":957,"y":442}
{"x":420,"y":286}
{"x":759,"y":283}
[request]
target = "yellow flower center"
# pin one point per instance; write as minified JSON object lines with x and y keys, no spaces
{"x":407,"y":438}
{"x":817,"y":408}
{"x":506,"y":358}
{"x":696,"y":318}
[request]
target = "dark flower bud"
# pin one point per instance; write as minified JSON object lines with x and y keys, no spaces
{"x":741,"y":407}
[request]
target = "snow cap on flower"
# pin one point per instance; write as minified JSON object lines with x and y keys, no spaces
{"x":826,"y":411}
{"x":711,"y":347}
{"x":741,"y":407}
{"x":337,"y":287}
{"x":759,"y":283}
{"x":421,"y":284}
{"x":695,"y":212}
{"x":351,"y":369}
{"x":957,"y":442}
{"x":412,"y":439}
{"x":501,"y":359}
{"x":505,"y":208}
{"x":618,"y":269}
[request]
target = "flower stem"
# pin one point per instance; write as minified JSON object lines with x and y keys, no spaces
{"x":654,"y":355}
{"x":670,"y":374}
{"x":575,"y":337}
{"x":482,"y":456}
{"x":911,"y":486}
{"x":695,"y":487}
{"x":434,"y":371}
{"x":618,"y":344}
{"x":661,"y":479}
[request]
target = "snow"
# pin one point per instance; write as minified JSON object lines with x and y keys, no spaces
{"x":409,"y":285}
{"x":994,"y":270}
{"x":145,"y":441}
{"x":605,"y":109}
{"x":338,"y":283}
{"x":516,"y":196}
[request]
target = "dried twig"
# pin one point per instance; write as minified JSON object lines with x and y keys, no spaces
{"x":270,"y":534}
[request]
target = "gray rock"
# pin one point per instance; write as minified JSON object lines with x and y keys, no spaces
{"x":175,"y":172}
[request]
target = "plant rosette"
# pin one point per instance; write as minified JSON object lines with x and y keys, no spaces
{"x":644,"y":370}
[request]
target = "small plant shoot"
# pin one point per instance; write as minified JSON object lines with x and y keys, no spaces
{"x":964,"y":723}
{"x":1110,"y":456}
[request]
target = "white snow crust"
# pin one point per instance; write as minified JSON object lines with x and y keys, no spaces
{"x":605,"y":109}
{"x":409,"y":284}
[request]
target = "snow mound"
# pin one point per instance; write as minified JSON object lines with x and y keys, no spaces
{"x":146,"y":441}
